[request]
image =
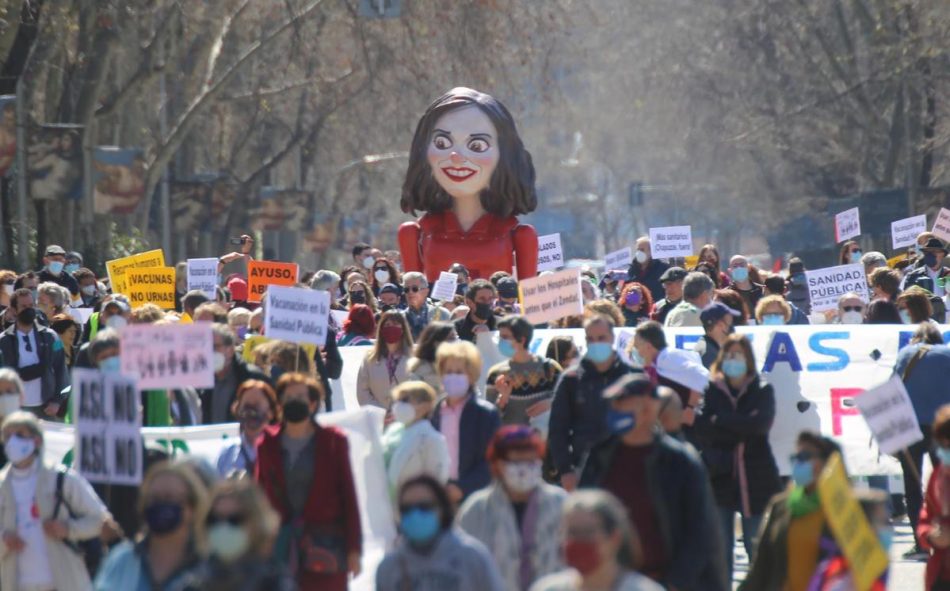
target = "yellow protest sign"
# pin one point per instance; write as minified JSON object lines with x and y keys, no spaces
{"x":119,"y":267}
{"x":253,"y":341}
{"x":151,"y":285}
{"x":691,"y":261}
{"x":850,"y":526}
{"x":892,"y":262}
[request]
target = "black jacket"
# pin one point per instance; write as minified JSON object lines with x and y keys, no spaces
{"x":579,"y":412}
{"x":52,"y":365}
{"x":650,"y":278}
{"x":465,"y":327}
{"x":242,"y":371}
{"x":332,"y":369}
{"x":750,"y":474}
{"x":686,"y":515}
{"x":708,"y":350}
{"x":921,"y":278}
{"x":64,"y":279}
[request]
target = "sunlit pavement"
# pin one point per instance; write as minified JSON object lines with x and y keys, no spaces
{"x":904,"y":575}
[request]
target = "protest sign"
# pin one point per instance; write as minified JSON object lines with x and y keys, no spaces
{"x":892,"y":262}
{"x":904,"y":232}
{"x":444,"y":288}
{"x":545,"y":299}
{"x":618,"y":259}
{"x":168,"y":356}
{"x":339,"y":317}
{"x":849,"y":525}
{"x":890,"y":416}
{"x":297,"y":315}
{"x":671,"y":242}
{"x":826,"y":285}
{"x":847,"y":224}
{"x":117,"y":268}
{"x":80,"y":315}
{"x":262,"y":274}
{"x":203,"y":275}
{"x":550,"y":257}
{"x":941,"y":227}
{"x":108,"y":427}
{"x":253,"y":341}
{"x":151,"y":285}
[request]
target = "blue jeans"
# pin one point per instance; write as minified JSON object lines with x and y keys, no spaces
{"x":750,"y":529}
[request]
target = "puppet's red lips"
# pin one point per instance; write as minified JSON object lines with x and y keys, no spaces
{"x":458,"y":174}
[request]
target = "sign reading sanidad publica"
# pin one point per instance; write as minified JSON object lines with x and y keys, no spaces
{"x":826,"y":285}
{"x":261,"y":274}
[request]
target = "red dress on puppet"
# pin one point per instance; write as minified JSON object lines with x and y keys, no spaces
{"x":436,"y":240}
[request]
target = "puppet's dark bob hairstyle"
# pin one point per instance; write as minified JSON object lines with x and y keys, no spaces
{"x":511,"y":188}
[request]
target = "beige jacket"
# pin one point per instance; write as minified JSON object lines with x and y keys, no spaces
{"x":69,"y":570}
{"x":425,"y":371}
{"x":372,"y":382}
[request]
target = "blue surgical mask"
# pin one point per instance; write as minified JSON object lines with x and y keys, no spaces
{"x":420,"y":526}
{"x":620,"y":422}
{"x":55,"y":267}
{"x":885,"y":536}
{"x":506,"y":348}
{"x":599,"y":352}
{"x":734,"y":368}
{"x":856,"y":256}
{"x":740,"y":274}
{"x":803,"y":473}
{"x":637,"y":359}
{"x":71,"y":268}
{"x":943,"y":454}
{"x":773,"y":320}
{"x":110,"y":365}
{"x":905,"y":316}
{"x":917,"y":249}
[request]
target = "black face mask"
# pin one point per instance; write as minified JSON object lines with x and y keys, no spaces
{"x":296,"y":411}
{"x":483,"y":311}
{"x":357,"y":297}
{"x":26,"y":316}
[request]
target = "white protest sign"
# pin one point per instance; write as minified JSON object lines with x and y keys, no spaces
{"x":297,"y":315}
{"x":904,"y":232}
{"x":203,"y":275}
{"x":339,"y":316}
{"x":547,"y":298}
{"x":826,"y":285}
{"x":941,"y":227}
{"x":444,"y":288}
{"x":618,"y":259}
{"x":168,"y":356}
{"x":671,"y":242}
{"x":890,"y":416}
{"x":550,"y":256}
{"x":108,"y":427}
{"x":847,"y":224}
{"x":80,"y":315}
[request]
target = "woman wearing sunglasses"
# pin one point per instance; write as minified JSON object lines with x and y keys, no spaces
{"x":431,"y":554}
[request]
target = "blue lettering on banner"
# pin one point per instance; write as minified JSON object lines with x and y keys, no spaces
{"x":840,"y":355}
{"x":781,"y":349}
{"x":682,"y":340}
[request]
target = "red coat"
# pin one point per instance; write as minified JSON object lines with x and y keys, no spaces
{"x":436,"y":240}
{"x":932,"y":513}
{"x":332,"y":498}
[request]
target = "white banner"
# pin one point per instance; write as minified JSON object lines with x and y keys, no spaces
{"x":847,"y":224}
{"x":618,"y":259}
{"x":826,"y":286}
{"x":904,"y":232}
{"x":108,"y":424}
{"x":168,"y":356}
{"x":297,"y":314}
{"x":890,"y":416}
{"x":203,"y":275}
{"x":550,"y":256}
{"x":671,"y":242}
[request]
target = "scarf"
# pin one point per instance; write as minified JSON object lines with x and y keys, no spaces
{"x":800,"y":503}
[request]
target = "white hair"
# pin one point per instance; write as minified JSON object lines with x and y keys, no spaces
{"x":414,"y":276}
{"x":57,"y":294}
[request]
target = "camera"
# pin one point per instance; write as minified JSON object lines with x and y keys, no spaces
{"x":238,"y":241}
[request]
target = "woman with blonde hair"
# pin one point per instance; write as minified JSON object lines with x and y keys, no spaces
{"x":384,"y":366}
{"x":773,"y":310}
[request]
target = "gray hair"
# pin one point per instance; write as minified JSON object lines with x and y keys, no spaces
{"x":22,"y":418}
{"x":224,"y":331}
{"x":239,"y":316}
{"x":324,"y":280}
{"x":105,"y":339}
{"x":57,"y":294}
{"x":696,"y":284}
{"x":10,"y":376}
{"x":414,"y":276}
{"x":874,"y":258}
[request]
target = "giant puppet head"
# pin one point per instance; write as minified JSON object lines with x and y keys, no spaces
{"x":471,"y":174}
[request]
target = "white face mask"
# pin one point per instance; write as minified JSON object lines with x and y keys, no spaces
{"x":219,"y":361}
{"x":228,"y":542}
{"x":368,"y":262}
{"x":381,"y":275}
{"x":19,"y":448}
{"x":852,"y":317}
{"x":641,"y":257}
{"x":404,"y":412}
{"x":89,"y":290}
{"x":522,"y":477}
{"x":9,"y":403}
{"x":455,"y":385}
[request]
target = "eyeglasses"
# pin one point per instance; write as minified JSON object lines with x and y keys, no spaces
{"x":410,"y":507}
{"x":236,"y":519}
{"x":415,"y":289}
{"x":853,"y":308}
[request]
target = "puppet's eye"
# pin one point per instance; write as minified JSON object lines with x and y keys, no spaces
{"x":478,"y":145}
{"x":442,"y":142}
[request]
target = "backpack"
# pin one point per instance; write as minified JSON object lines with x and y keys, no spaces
{"x":90,"y":550}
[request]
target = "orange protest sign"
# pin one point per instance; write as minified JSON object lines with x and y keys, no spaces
{"x":261,"y":274}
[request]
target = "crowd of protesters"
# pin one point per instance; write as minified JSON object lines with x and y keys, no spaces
{"x":586,"y":468}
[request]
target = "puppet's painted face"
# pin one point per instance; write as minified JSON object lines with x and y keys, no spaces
{"x":463,"y":151}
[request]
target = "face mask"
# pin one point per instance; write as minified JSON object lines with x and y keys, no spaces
{"x":905,"y":316}
{"x":71,"y":268}
{"x":296,"y":410}
{"x":9,"y":403}
{"x":219,"y":361}
{"x":852,"y":318}
{"x":228,"y":542}
{"x":116,"y":322}
{"x":110,"y":365}
{"x":637,"y":359}
{"x":27,"y":316}
{"x":368,"y":262}
{"x":241,"y":332}
{"x":521,"y":477}
{"x":930,"y":259}
{"x":251,"y":418}
{"x":641,"y":257}
{"x":856,"y":256}
{"x":943,"y":454}
{"x":420,"y":526}
{"x":455,"y":384}
{"x":483,"y":311}
{"x":620,"y":422}
{"x":582,"y":556}
{"x":734,"y":368}
{"x":381,"y":275}
{"x":391,"y":334}
{"x":19,"y":448}
{"x":357,"y":297}
{"x":8,"y":288}
{"x":803,"y":473}
{"x":632,"y":299}
{"x":89,"y":290}
{"x":506,"y":348}
{"x":773,"y":320}
{"x":740,"y":274}
{"x":55,"y":267}
{"x":163,"y":518}
{"x":404,"y":412}
{"x":599,"y":352}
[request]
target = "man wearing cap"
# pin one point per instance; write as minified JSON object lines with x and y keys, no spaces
{"x":697,"y":294}
{"x":389,"y":297}
{"x":420,"y":311}
{"x":73,"y":262}
{"x":931,"y":270}
{"x":672,"y":281}
{"x":646,"y":270}
{"x":238,"y":288}
{"x":54,"y":265}
{"x":717,"y":321}
{"x":665,"y":488}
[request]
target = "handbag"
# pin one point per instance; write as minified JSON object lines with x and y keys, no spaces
{"x":320,"y":551}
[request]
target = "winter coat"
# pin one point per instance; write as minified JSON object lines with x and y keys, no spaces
{"x":457,"y":562}
{"x":649,"y":277}
{"x":55,"y":376}
{"x":373,"y":384}
{"x":424,"y":371}
{"x":478,"y":424}
{"x":420,"y":450}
